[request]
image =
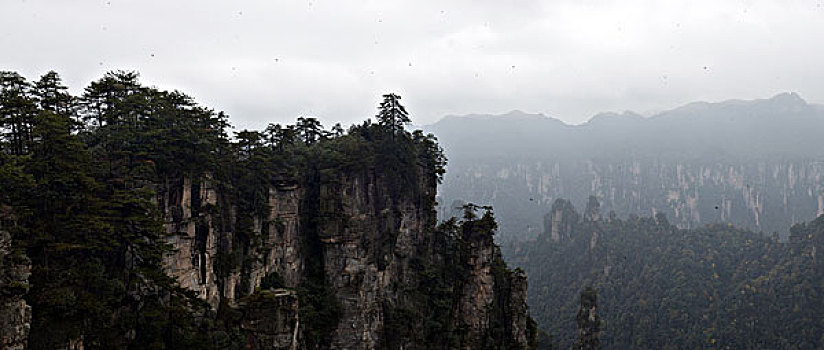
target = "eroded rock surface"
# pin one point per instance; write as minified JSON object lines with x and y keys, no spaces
{"x":372,"y":238}
{"x":15,"y":314}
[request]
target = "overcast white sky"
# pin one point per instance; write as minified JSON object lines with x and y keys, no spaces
{"x":273,"y":60}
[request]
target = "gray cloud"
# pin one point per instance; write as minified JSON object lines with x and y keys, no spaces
{"x":270,"y":61}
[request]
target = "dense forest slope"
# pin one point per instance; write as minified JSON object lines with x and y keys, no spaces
{"x":756,"y":164}
{"x":145,"y":225}
{"x":660,"y":287}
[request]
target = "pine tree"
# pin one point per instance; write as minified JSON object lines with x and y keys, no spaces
{"x":17,"y":112}
{"x":392,"y":115}
{"x":337,"y":130}
{"x":309,"y":129}
{"x":274,"y":136}
{"x":69,"y":286}
{"x":52,"y":95}
{"x":110,"y":100}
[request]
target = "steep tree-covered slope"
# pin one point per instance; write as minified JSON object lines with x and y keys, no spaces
{"x":148,"y":226}
{"x":660,"y":287}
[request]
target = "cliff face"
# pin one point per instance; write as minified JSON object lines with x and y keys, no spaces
{"x":754,"y":164}
{"x":271,"y":320}
{"x":203,"y":224}
{"x":15,"y":314}
{"x":149,"y":226}
{"x":492,"y":303}
{"x":372,"y":244}
{"x":767,"y":195}
{"x":367,"y":252}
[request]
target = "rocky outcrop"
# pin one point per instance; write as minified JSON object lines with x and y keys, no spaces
{"x":271,"y":321}
{"x":560,"y":221}
{"x":367,"y":251}
{"x":202,"y":222}
{"x":522,"y":327}
{"x":370,"y":258}
{"x":185,"y":207}
{"x":15,"y":315}
{"x":493,"y":306}
{"x":479,"y":292}
{"x":371,"y":238}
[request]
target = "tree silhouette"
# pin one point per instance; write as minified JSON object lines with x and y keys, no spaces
{"x":17,"y":111}
{"x":392,"y":115}
{"x":52,"y":95}
{"x":309,"y":129}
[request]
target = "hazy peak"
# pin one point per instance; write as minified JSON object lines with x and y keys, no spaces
{"x":788,"y":99}
{"x":780,"y":125}
{"x":781,"y":103}
{"x":515,"y":113}
{"x":788,"y":96}
{"x":494,"y":118}
{"x":626,"y":116}
{"x":518,"y":113}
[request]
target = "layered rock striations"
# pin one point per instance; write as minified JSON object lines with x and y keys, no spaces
{"x":202,"y":223}
{"x":372,"y":246}
{"x":348,"y":259}
{"x":15,"y":314}
{"x":763,"y":195}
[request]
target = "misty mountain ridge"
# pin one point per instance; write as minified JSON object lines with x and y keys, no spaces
{"x":782,"y":126}
{"x":612,"y":118}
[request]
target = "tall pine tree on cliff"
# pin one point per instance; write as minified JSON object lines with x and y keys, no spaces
{"x":17,"y":113}
{"x":391,"y":114}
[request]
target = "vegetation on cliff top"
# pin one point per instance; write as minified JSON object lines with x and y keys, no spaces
{"x":79,"y":176}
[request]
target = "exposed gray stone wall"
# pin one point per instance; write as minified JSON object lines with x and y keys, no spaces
{"x":15,"y":315}
{"x":367,"y":250}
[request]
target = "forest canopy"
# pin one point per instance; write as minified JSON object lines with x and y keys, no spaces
{"x":79,"y":182}
{"x":668,"y":288}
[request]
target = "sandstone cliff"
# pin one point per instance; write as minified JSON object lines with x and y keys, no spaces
{"x":371,"y":245}
{"x":341,"y":260}
{"x":15,"y":314}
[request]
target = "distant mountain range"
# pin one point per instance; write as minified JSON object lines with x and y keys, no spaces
{"x":758,"y":163}
{"x":784,"y":126}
